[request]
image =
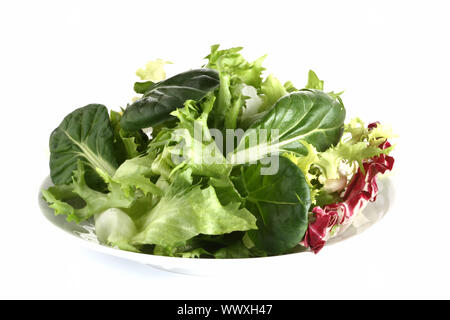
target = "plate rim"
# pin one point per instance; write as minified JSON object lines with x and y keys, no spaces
{"x":156,"y":259}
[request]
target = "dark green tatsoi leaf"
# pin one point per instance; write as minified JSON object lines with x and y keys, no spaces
{"x":165,"y":96}
{"x":307,"y":115}
{"x":86,"y":135}
{"x":143,"y":87}
{"x":280,"y":202}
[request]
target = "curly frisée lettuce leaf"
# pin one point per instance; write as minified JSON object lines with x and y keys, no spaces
{"x":190,"y":143}
{"x":305,"y":163}
{"x":234,"y":73}
{"x":95,"y":201}
{"x":357,"y":144}
{"x":328,"y":172}
{"x":375,"y":134}
{"x":330,"y":161}
{"x":202,"y":153}
{"x":230,"y":61}
{"x":361,"y":190}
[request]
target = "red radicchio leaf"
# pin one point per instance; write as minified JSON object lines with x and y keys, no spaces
{"x":361,"y":189}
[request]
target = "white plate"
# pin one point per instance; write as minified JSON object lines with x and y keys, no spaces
{"x":84,"y":233}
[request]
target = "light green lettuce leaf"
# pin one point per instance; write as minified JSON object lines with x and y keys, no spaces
{"x":115,"y":228}
{"x":184,"y":213}
{"x":153,"y":70}
{"x":313,"y":81}
{"x":289,"y":87}
{"x":163,"y":164}
{"x":272,"y":90}
{"x":136,"y":173}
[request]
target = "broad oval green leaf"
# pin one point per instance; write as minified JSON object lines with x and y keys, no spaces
{"x":280,"y":202}
{"x":86,"y":135}
{"x":308,"y":115}
{"x":143,"y":87}
{"x":162,"y":98}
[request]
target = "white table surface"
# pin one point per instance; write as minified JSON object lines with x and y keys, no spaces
{"x":391,"y":58}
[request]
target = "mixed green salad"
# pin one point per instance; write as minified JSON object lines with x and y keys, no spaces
{"x":217,"y":162}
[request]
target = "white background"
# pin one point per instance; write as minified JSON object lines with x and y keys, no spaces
{"x":390,"y":57}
